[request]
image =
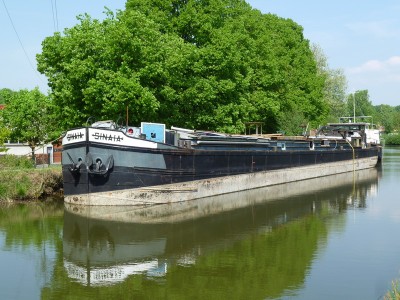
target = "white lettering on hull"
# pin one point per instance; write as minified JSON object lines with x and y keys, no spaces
{"x":104,"y":136}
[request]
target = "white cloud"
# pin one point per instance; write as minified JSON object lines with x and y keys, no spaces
{"x":369,"y":66}
{"x":394,"y":60}
{"x":391,"y":65}
{"x":380,"y":77}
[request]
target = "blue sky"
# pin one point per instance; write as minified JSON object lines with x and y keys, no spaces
{"x":360,"y":37}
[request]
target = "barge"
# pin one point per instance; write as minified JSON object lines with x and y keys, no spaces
{"x":104,"y":164}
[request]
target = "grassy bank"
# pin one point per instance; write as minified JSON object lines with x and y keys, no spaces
{"x":20,"y":180}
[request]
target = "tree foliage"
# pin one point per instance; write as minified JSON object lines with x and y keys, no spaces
{"x":212,"y":64}
{"x":27,"y":117}
{"x":334,"y":91}
{"x":359,"y":104}
{"x":388,"y":117}
{"x":5,"y":95}
{"x":385,"y":116}
{"x":4,"y":134}
{"x":392,"y":139}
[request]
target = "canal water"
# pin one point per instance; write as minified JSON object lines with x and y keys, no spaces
{"x":331,"y":238}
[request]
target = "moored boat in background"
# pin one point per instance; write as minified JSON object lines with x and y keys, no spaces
{"x":104,"y":164}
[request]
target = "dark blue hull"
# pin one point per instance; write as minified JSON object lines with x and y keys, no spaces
{"x":184,"y":165}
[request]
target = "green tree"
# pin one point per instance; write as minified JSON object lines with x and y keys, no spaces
{"x":358,"y":104}
{"x":4,"y":134}
{"x":5,"y":95}
{"x":396,"y":119}
{"x":335,"y":85}
{"x":99,"y":68}
{"x":200,"y":64}
{"x":28,"y":117}
{"x":249,"y":66}
{"x":385,"y":115}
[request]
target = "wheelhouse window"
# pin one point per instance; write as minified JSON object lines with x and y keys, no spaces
{"x":325,"y":143}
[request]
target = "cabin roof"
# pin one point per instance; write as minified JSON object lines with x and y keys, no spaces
{"x":349,"y":124}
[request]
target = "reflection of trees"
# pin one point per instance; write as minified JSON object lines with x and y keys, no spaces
{"x":264,"y":264}
{"x":255,"y":252}
{"x":100,"y":238}
{"x":31,"y":224}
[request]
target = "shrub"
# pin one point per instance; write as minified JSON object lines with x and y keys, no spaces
{"x":392,"y":139}
{"x":22,"y":186}
{"x":9,"y":161}
{"x":3,"y":191}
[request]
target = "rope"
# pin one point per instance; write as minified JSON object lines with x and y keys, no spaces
{"x":354,"y":168}
{"x":354,"y":156}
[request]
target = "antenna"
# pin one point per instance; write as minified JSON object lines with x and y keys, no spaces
{"x":127,"y":115}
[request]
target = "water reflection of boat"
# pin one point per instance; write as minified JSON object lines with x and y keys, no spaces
{"x":103,"y":247}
